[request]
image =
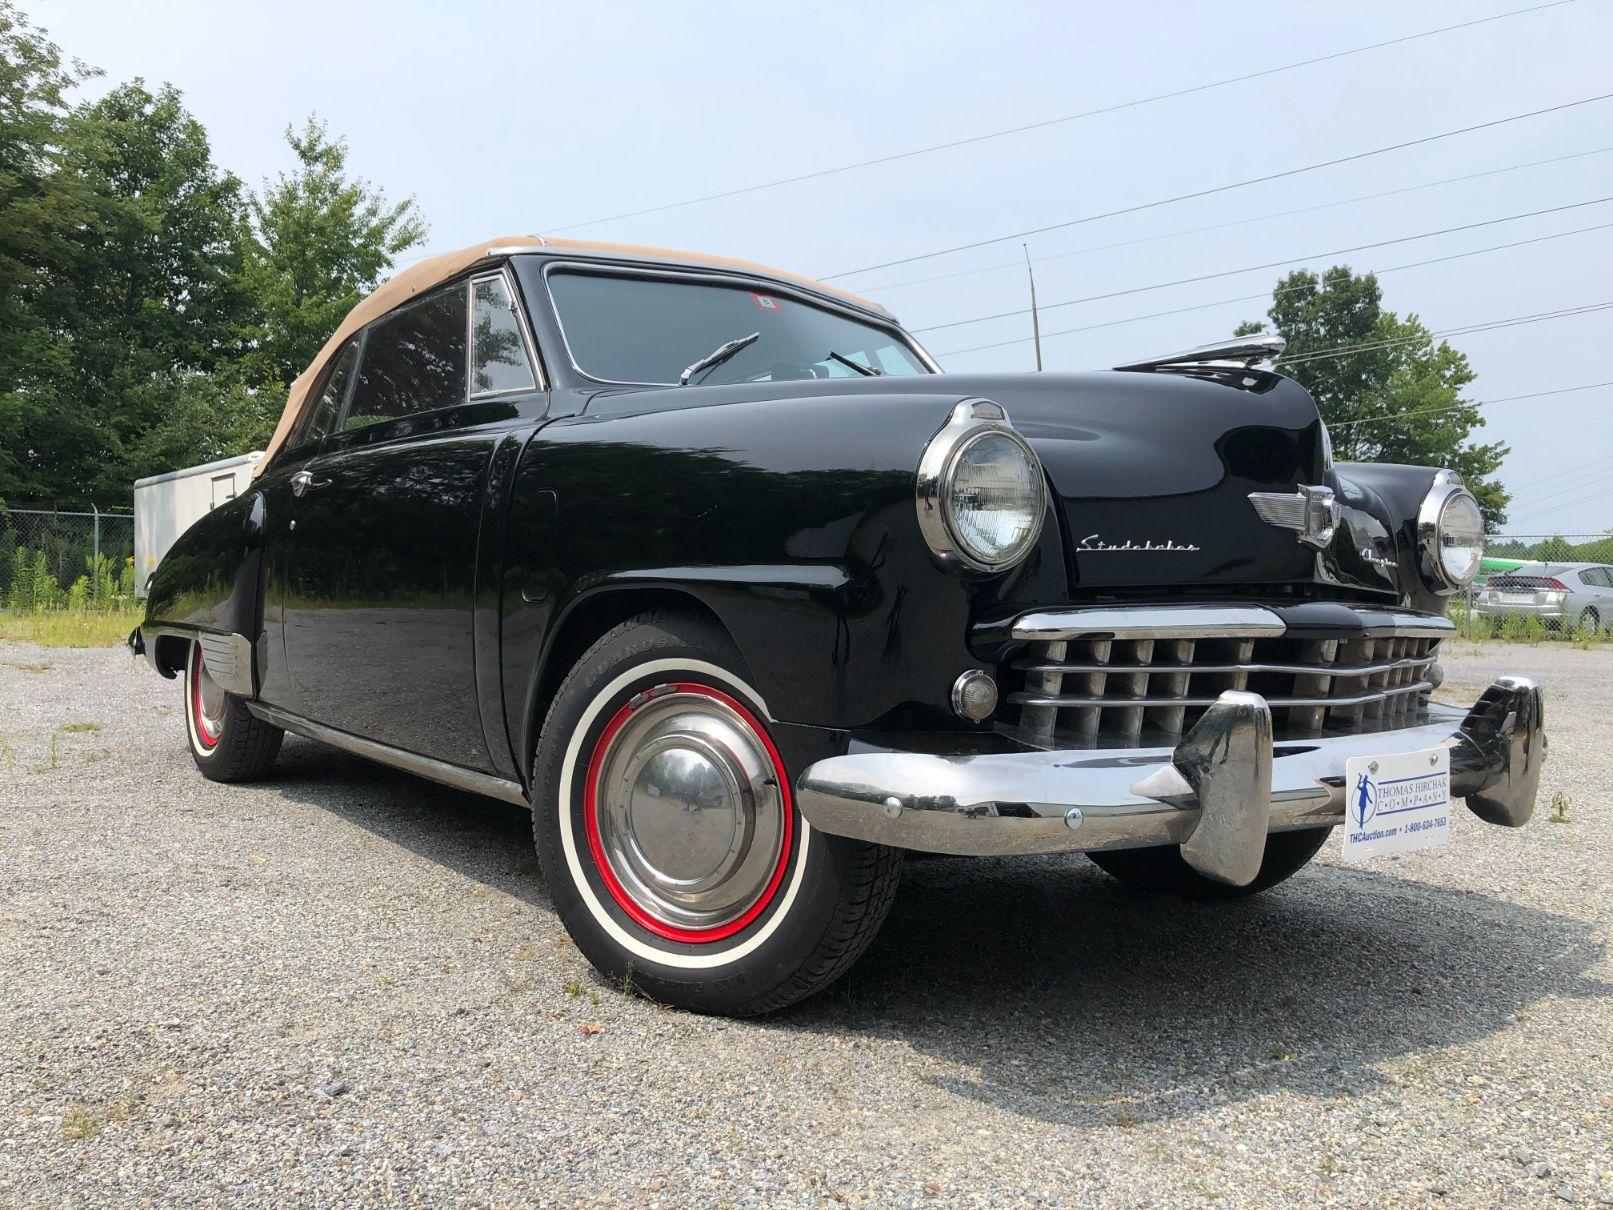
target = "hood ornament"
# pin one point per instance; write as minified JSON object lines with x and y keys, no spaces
{"x":1314,"y":512}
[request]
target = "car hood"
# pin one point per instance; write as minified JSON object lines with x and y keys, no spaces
{"x":1151,"y":473}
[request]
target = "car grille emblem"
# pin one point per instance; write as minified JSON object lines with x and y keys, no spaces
{"x":1314,"y":512}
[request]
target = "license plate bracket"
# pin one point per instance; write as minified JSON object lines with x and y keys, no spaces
{"x":1397,"y":803}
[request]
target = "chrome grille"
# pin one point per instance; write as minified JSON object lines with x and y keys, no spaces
{"x":1110,"y":691}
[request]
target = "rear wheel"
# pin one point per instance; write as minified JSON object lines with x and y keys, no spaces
{"x":227,"y":742}
{"x":669,"y":837}
{"x":1164,"y":869}
{"x":1590,"y":622}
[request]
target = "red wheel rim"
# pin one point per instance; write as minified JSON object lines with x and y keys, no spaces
{"x":205,"y":729}
{"x":592,"y":808}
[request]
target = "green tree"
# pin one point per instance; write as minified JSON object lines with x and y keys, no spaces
{"x":157,"y":294}
{"x":43,"y":206}
{"x":1399,"y":397}
{"x":322,"y":241}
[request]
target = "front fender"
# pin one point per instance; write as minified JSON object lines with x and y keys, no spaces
{"x":1385,"y":498}
{"x":793,"y":521}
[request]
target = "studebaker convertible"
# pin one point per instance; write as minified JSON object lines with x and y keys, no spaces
{"x":714,"y":569}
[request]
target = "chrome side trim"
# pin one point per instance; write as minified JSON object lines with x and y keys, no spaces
{"x":410,"y":762}
{"x":1150,"y":622}
{"x":228,"y":659}
{"x":1204,"y":622}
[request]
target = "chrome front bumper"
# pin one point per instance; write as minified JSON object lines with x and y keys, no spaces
{"x":1216,"y":794}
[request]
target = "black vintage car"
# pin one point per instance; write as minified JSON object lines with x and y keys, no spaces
{"x":716,"y":571}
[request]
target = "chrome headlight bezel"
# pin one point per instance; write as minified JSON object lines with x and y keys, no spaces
{"x":969,"y":421}
{"x":1447,"y":487}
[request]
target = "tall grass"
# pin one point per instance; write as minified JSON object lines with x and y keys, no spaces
{"x":98,"y":609}
{"x":70,"y":627}
{"x":1522,"y":628}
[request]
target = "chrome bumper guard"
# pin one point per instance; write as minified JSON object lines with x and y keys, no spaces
{"x":1216,"y":794}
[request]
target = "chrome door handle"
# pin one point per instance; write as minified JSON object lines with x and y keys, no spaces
{"x":303,"y":480}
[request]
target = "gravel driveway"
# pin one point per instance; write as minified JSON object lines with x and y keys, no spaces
{"x":346,"y":984}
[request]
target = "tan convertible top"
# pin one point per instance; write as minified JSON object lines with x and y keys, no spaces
{"x":418,"y":278}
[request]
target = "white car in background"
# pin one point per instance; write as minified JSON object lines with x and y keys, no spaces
{"x":1578,"y":595}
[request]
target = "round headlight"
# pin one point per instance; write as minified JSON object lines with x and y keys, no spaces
{"x":1452,"y":532}
{"x":980,"y":490}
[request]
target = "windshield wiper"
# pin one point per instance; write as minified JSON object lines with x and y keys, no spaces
{"x":865,"y":371}
{"x":717,"y":356}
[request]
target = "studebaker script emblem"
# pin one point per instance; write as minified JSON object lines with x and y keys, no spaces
{"x":1093,"y":542}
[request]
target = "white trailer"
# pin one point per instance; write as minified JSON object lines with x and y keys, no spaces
{"x":165,"y":506}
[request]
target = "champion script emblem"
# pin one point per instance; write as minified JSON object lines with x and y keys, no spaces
{"x":1094,"y":542}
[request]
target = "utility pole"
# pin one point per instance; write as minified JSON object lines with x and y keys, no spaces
{"x":1036,"y":319}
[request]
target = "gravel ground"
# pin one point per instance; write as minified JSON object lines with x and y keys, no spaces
{"x":345,"y":984}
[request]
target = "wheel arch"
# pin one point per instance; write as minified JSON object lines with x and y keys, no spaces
{"x":584,"y":622}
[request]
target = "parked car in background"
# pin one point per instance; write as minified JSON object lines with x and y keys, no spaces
{"x":715,"y":570}
{"x":1577,"y":595}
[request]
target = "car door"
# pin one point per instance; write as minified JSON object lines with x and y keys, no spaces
{"x":381,"y":555}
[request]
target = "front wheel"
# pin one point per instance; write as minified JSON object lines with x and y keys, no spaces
{"x":227,"y":742}
{"x":1164,"y":869}
{"x":669,"y":836}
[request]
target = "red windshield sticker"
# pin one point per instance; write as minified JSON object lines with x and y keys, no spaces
{"x":765,"y":301}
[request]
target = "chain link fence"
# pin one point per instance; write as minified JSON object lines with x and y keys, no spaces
{"x":55,"y":560}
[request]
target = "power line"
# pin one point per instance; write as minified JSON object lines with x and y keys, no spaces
{"x":1116,"y":107}
{"x":1575,"y":479}
{"x":1280,"y":290}
{"x":1275,"y":264}
{"x":1568,"y":504}
{"x":1349,"y":424}
{"x":1486,"y":326}
{"x":1257,"y":180}
{"x":1240,"y":222}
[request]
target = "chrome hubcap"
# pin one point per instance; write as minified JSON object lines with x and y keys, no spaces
{"x":207,"y":699}
{"x":689,"y":810}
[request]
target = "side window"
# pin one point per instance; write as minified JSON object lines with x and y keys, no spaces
{"x":414,"y":361}
{"x":499,"y":359}
{"x":332,"y":393}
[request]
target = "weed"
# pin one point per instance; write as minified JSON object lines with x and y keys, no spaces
{"x":574,"y":988}
{"x":1560,"y":803}
{"x":34,"y":668}
{"x":1125,"y":1119}
{"x":78,"y":728}
{"x":82,"y":1124}
{"x":1277,"y":1054}
{"x":519,"y":983}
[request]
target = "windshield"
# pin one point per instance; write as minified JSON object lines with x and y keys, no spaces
{"x":652,"y":330}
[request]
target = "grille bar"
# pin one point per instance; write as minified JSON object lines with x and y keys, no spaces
{"x":1301,"y":669}
{"x":1149,"y":683}
{"x":1130,"y":703}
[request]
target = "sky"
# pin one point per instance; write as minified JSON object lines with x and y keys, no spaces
{"x":509,"y":119}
